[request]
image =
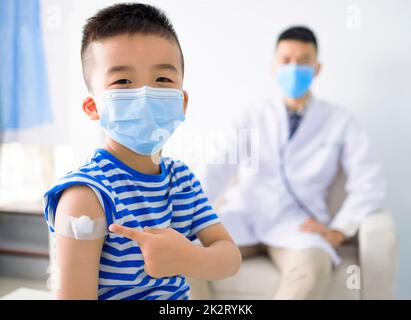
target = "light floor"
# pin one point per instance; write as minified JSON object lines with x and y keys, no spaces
{"x":8,"y":285}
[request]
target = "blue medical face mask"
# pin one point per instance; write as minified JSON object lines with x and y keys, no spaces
{"x":295,"y":79}
{"x":141,"y":119}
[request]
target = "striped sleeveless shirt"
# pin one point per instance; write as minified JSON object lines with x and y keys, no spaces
{"x":174,"y":198}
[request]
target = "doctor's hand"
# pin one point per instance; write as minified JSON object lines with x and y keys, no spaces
{"x":164,"y":249}
{"x":334,"y":237}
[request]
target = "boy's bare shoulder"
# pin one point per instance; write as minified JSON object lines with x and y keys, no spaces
{"x":80,"y":200}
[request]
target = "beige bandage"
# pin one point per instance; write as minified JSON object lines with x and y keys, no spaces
{"x":82,"y":228}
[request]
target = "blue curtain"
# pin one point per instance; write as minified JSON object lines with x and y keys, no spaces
{"x":24,"y":100}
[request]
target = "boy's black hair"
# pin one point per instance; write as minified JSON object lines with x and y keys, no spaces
{"x":299,"y":33}
{"x":126,"y":18}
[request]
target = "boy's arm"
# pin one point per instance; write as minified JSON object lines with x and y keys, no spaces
{"x":167,"y":252}
{"x":77,"y":261}
{"x":218,"y":258}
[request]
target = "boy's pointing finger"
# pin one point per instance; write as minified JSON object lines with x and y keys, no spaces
{"x":130,"y":233}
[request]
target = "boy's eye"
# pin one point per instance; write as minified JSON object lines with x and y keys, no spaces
{"x":122,"y":81}
{"x":163,"y":79}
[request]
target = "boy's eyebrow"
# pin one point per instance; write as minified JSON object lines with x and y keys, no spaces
{"x":115,"y":69}
{"x":167,"y":66}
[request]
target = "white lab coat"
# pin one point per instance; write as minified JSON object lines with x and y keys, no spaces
{"x":258,"y":208}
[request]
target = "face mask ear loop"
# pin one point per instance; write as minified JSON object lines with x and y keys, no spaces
{"x":97,"y":101}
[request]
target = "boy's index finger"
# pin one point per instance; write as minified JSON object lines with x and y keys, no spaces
{"x":130,"y":233}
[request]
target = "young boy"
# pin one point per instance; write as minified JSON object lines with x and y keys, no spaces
{"x":124,"y":221}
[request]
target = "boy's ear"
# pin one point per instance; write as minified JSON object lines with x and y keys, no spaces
{"x":185,"y":100}
{"x":90,"y":108}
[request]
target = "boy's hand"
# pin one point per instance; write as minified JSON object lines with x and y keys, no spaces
{"x":332,"y":236}
{"x":164,"y":250}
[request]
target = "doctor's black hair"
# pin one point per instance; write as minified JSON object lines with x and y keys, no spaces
{"x":126,"y":18}
{"x":299,"y":33}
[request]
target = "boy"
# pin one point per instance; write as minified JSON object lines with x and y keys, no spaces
{"x":153,"y":206}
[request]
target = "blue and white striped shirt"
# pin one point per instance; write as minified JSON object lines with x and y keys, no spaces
{"x":174,"y":198}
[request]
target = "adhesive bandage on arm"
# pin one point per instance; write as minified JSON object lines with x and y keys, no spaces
{"x":81,"y":228}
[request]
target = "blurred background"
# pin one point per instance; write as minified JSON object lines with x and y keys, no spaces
{"x":364,"y":46}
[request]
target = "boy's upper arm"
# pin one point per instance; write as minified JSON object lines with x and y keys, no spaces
{"x":79,"y":200}
{"x":213,"y":233}
{"x":77,"y":261}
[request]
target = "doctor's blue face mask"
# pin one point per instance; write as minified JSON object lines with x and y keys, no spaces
{"x":141,"y":119}
{"x":295,"y":79}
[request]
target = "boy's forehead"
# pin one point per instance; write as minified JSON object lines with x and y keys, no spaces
{"x":136,"y":50}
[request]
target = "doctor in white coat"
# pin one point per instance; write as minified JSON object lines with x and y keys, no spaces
{"x":302,"y":143}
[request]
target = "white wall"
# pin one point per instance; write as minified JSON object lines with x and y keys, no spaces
{"x":365,"y":47}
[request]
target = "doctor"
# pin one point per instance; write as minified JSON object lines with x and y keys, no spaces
{"x":303,"y":142}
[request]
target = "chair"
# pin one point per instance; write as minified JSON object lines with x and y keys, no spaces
{"x":373,"y":250}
